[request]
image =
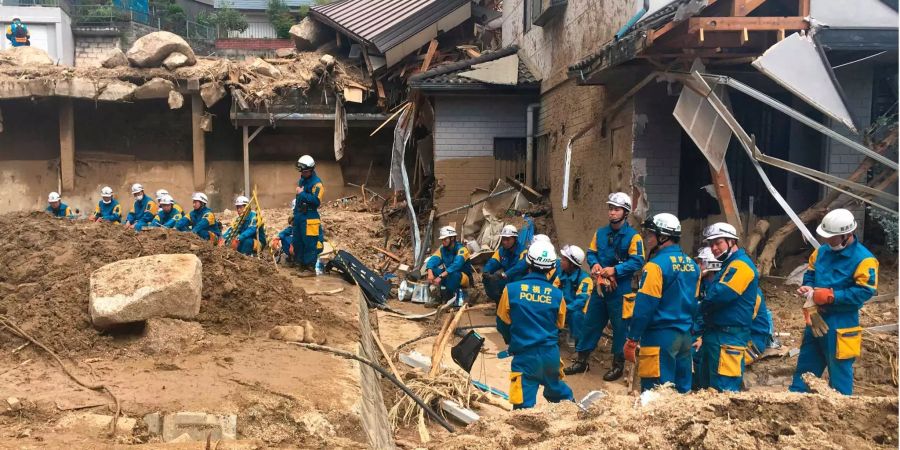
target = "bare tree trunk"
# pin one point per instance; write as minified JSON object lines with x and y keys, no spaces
{"x":759,"y":232}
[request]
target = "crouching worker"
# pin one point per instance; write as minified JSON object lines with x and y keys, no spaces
{"x":576,"y":285}
{"x":201,"y":220}
{"x":57,"y":208}
{"x":281,"y":244}
{"x":244,"y":233}
{"x":108,"y":209}
{"x":168,"y":216}
{"x":142,"y":210}
{"x":503,"y":267}
{"x":448,"y":268}
{"x":529,"y":316}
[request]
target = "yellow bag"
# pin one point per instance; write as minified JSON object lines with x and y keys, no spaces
{"x":731,"y":358}
{"x":515,"y":388}
{"x":648,"y":362}
{"x":628,"y":305}
{"x":312,"y":227}
{"x":849,"y":342}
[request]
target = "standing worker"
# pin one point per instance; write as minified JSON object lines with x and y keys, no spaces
{"x":201,"y":221}
{"x":304,"y":247}
{"x":108,"y":209}
{"x":616,"y":253}
{"x":17,"y":34}
{"x":142,"y":210}
{"x":57,"y":208}
{"x":502,"y":268}
{"x":841,"y":277}
{"x":167,"y":216}
{"x":448,"y":268}
{"x":529,"y":316}
{"x":242,"y":235}
{"x":760,"y":329}
{"x":727,"y":311}
{"x":577,"y":286}
{"x":664,"y":309}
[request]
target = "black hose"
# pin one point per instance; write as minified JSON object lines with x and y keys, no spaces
{"x":440,"y":420}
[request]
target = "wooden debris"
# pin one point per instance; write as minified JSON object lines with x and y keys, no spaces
{"x":384,"y":353}
{"x":432,"y":47}
{"x":759,"y":232}
{"x":386,"y":253}
{"x":21,"y":364}
{"x":443,"y":340}
{"x":329,"y":292}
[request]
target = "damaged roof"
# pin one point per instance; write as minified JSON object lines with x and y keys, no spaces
{"x":384,"y":24}
{"x":452,"y":76}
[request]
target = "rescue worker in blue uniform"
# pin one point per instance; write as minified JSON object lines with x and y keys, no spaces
{"x":17,"y":33}
{"x":760,"y":330}
{"x":142,"y":210}
{"x":281,"y":243}
{"x":664,"y":309}
{"x":201,"y":220}
{"x":107,"y":209}
{"x":448,"y":268}
{"x":529,"y":316}
{"x":244,"y":236}
{"x":841,"y":277}
{"x":305,"y":243}
{"x":615,"y":254}
{"x":504,"y":267}
{"x":57,"y":208}
{"x":709,"y":267}
{"x":168,"y":216}
{"x":727,"y":311}
{"x":177,"y":207}
{"x":576,"y":285}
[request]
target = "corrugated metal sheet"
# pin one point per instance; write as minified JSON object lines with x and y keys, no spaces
{"x":257,"y":5}
{"x":384,"y":23}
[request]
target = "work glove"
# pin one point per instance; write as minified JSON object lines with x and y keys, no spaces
{"x":816,"y":323}
{"x":291,"y":250}
{"x":611,"y":284}
{"x":276,"y":244}
{"x":608,"y":272}
{"x":823,"y":296}
{"x":234,"y":244}
{"x":630,"y":349}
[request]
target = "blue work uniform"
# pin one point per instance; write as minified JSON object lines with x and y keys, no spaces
{"x":664,"y":311}
{"x":166,"y":219}
{"x":18,"y":35}
{"x":454,"y":261}
{"x":201,"y":222}
{"x":760,"y":328}
{"x":529,"y":316}
{"x":62,"y":212}
{"x":307,"y":222}
{"x":108,"y":212}
{"x":509,"y":261}
{"x":142,"y":212}
{"x":853,"y":274}
{"x":245,"y":233}
{"x":285,"y":237}
{"x":697,"y":331}
{"x":727,"y":314}
{"x":577,"y":288}
{"x":624,"y":249}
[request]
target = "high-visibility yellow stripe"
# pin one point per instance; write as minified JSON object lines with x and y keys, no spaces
{"x":503,"y":308}
{"x":738,"y":275}
{"x":867,"y":273}
{"x":652,"y":280}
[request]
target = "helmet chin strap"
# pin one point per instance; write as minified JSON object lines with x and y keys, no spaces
{"x":624,"y":216}
{"x":843,"y":244}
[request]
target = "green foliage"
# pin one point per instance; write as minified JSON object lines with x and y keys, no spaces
{"x":888,"y":223}
{"x":230,"y":19}
{"x":281,"y":18}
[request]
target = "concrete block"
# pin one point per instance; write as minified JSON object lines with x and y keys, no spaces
{"x":154,"y":423}
{"x":13,"y":404}
{"x":199,"y":425}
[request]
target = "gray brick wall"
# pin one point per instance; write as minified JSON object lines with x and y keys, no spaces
{"x":91,"y":50}
{"x":657,"y":145}
{"x":465,"y":127}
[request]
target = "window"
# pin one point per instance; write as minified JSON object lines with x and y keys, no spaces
{"x":509,"y":158}
{"x":527,"y":7}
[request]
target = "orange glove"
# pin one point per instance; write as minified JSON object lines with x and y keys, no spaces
{"x":608,"y":272}
{"x":823,"y":296}
{"x":234,"y":244}
{"x":292,"y":250}
{"x":630,"y":349}
{"x":276,"y":244}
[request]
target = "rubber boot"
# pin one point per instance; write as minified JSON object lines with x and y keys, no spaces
{"x":615,"y":372}
{"x":580,"y":365}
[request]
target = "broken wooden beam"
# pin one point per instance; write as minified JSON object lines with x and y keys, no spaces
{"x":695,"y":24}
{"x":432,"y":48}
{"x":386,"y":253}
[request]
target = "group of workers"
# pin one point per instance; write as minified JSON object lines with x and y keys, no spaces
{"x":693,"y":322}
{"x":301,"y":242}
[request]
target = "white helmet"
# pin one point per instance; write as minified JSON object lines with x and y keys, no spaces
{"x":620,"y":199}
{"x":166,"y":199}
{"x":160,"y":193}
{"x":446,"y":232}
{"x":106,"y":191}
{"x":53,"y":197}
{"x":541,"y":255}
{"x":306,"y":162}
{"x":706,"y":255}
{"x":136,"y":187}
{"x":200,"y":197}
{"x":664,"y":224}
{"x":541,"y":238}
{"x":573,"y":253}
{"x":243,"y":201}
{"x":720,"y":230}
{"x":837,"y":222}
{"x":509,"y":231}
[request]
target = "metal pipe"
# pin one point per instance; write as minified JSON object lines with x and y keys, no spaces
{"x":246,"y":161}
{"x":529,"y":144}
{"x":633,"y":20}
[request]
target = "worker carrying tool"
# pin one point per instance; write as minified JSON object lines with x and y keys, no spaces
{"x":728,"y":306}
{"x":57,"y":208}
{"x":448,"y":268}
{"x":167,"y":216}
{"x":17,"y":33}
{"x":577,"y":286}
{"x":664,"y":308}
{"x":159,"y":195}
{"x":305,"y":243}
{"x":142,"y":210}
{"x":841,"y":277}
{"x":503,"y":266}
{"x":201,"y":220}
{"x":245,"y":232}
{"x":529,"y":316}
{"x":615,"y":254}
{"x":108,"y":208}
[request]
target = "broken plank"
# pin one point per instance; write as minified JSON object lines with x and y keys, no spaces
{"x":529,"y":193}
{"x":432,"y":47}
{"x":695,"y":24}
{"x":725,"y":194}
{"x":890,"y":328}
{"x":443,"y":340}
{"x":328,"y":292}
{"x":384,"y":353}
{"x":386,"y":253}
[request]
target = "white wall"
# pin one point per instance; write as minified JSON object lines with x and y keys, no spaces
{"x":258,"y":27}
{"x":50,"y":28}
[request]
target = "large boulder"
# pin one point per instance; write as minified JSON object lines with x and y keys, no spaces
{"x":135,"y":290}
{"x":155,"y":88}
{"x":117,"y":91}
{"x":309,"y":34}
{"x":175,"y":60}
{"x":114,"y":58}
{"x":152,"y":49}
{"x":211,"y":93}
{"x":27,"y":56}
{"x":262,"y":67}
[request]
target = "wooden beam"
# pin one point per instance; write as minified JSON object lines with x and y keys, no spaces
{"x":656,"y":34}
{"x":199,"y":143}
{"x":741,"y":8}
{"x":725,"y":194}
{"x":67,"y":144}
{"x":803,"y":8}
{"x":432,"y":47}
{"x":749,"y":23}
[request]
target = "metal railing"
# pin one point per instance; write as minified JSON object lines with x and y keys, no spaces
{"x":65,"y":5}
{"x":111,"y":16}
